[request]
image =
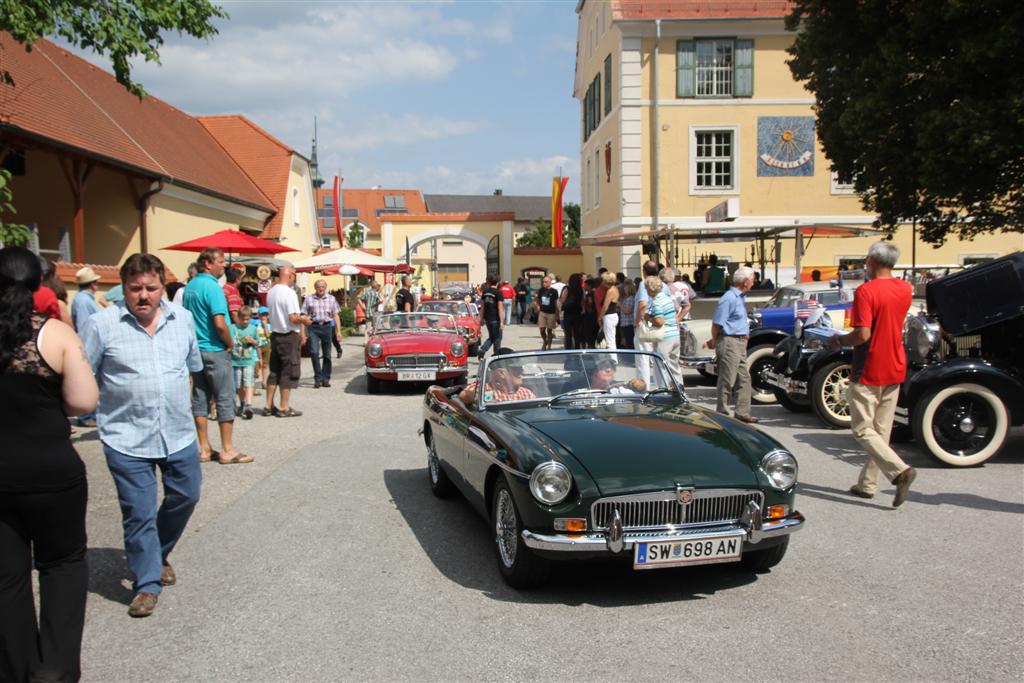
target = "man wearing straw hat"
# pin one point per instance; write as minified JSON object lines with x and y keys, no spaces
{"x":84,"y":304}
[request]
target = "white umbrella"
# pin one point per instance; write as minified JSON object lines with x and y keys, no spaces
{"x":345,"y":257}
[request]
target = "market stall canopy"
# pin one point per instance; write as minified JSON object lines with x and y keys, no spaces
{"x":333,"y":260}
{"x":233,"y":242}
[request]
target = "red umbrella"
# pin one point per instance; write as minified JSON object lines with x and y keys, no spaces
{"x":232,"y":241}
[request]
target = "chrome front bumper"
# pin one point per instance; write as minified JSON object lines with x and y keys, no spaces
{"x":606,"y":542}
{"x":787,"y":384}
{"x":448,"y":369}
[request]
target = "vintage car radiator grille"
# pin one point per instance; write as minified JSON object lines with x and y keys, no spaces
{"x":421,"y":361}
{"x":663,"y":509}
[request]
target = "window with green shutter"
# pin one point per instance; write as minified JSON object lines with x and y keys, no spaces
{"x":715,"y":67}
{"x":607,"y":84}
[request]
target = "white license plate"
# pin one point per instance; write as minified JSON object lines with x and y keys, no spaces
{"x":678,"y":553}
{"x":417,"y":375}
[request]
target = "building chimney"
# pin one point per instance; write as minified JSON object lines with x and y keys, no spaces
{"x":498,"y":192}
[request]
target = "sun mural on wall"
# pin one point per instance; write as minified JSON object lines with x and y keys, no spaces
{"x":785,"y":146}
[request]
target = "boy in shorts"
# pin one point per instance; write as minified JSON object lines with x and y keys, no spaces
{"x":244,"y":355}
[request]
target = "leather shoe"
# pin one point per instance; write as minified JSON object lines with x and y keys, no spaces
{"x":748,"y":419}
{"x":860,"y":493}
{"x":167,"y":575}
{"x":316,"y":384}
{"x":326,"y":384}
{"x":142,"y":605}
{"x":903,"y":481}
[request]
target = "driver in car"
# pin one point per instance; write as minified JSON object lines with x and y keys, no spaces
{"x":505,"y":383}
{"x":602,"y":377}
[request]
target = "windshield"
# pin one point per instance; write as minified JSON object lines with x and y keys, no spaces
{"x":784,"y":298}
{"x":450,"y":307}
{"x":573,"y":374}
{"x":414,"y":322}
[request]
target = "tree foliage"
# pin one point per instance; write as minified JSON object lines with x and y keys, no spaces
{"x":356,"y":236}
{"x":921,"y":104}
{"x":11,"y":234}
{"x":118,"y":29}
{"x":539,"y":235}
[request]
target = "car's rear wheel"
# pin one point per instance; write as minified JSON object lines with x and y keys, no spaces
{"x":518,"y":565}
{"x":373,"y":384}
{"x":762,"y":560}
{"x":760,"y":360}
{"x":961,"y":424}
{"x":440,"y":485}
{"x":794,"y":403}
{"x":828,"y":394}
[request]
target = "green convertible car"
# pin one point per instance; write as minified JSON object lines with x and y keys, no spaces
{"x":593,"y":453}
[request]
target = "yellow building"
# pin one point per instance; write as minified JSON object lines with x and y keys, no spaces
{"x":693,"y":126}
{"x":101,"y":174}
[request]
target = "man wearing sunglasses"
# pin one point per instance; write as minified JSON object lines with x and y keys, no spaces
{"x":504,"y":383}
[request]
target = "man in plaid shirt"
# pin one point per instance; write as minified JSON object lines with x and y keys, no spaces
{"x":322,"y":309}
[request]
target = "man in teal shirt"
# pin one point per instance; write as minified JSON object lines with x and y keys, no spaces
{"x":205,"y":299}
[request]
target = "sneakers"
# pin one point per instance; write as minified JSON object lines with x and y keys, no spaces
{"x":903,"y":482}
{"x":860,"y":493}
{"x":247,"y":412}
{"x":142,"y":605}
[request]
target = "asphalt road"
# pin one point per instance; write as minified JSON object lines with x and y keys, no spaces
{"x":329,"y":559}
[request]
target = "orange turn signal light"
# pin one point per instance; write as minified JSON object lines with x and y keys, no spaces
{"x":776,"y":512}
{"x":571,"y":524}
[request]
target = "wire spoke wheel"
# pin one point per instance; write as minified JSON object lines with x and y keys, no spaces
{"x":506,"y":528}
{"x":829,"y":388}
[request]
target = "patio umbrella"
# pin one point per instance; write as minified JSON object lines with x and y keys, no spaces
{"x":349,"y":257}
{"x":232,"y":242}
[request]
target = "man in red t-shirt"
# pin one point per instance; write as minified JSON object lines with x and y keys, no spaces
{"x":231,"y":293}
{"x":880,"y":306}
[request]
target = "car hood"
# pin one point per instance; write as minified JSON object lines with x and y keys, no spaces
{"x":632,"y":447}
{"x":416,"y":342}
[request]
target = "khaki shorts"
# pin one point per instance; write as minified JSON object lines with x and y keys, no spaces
{"x":285,"y":360}
{"x":548,"y":321}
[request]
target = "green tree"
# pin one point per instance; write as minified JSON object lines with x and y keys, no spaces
{"x":118,"y":29}
{"x":539,"y":235}
{"x":921,"y":104}
{"x":572,"y":228}
{"x":356,"y":236}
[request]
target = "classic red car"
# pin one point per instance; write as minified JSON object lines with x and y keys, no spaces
{"x":415,"y":347}
{"x":465,"y":316}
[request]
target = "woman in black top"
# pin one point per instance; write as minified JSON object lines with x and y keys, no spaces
{"x":44,"y":378}
{"x":571,"y":303}
{"x":589,"y":314}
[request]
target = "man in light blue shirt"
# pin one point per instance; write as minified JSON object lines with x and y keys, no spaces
{"x":730,"y":330}
{"x":142,"y":350}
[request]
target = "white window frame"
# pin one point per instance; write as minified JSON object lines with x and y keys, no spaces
{"x":296,"y":209}
{"x":736,"y":162}
{"x":587,"y":196}
{"x":717,"y":72}
{"x":963,"y":257}
{"x":597,"y":177}
{"x":837,"y":187}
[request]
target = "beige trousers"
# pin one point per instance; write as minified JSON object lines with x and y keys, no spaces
{"x":871,"y":412}
{"x":733,"y":376}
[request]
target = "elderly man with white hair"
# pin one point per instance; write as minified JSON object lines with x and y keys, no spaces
{"x":730,"y":331}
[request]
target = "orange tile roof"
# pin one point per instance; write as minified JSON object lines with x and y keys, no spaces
{"x":700,"y":9}
{"x":264,"y":159}
{"x":109,"y":275}
{"x":464,"y":216}
{"x":63,"y":99}
{"x":368,"y":201}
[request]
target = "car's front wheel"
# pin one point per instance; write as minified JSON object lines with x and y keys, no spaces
{"x":760,"y":360}
{"x":961,"y":424}
{"x":762,"y":560}
{"x":518,"y":565}
{"x":828,"y":394}
{"x":440,"y":485}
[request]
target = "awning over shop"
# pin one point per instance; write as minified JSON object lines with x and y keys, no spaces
{"x":728,"y":231}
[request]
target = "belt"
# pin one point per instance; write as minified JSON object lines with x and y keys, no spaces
{"x":322,"y":323}
{"x":737,"y":336}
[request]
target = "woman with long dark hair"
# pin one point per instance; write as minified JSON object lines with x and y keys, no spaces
{"x":571,"y":303}
{"x":44,"y":379}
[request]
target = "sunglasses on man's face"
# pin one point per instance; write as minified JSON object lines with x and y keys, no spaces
{"x":515,"y":371}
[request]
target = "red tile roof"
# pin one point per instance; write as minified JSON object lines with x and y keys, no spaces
{"x":63,"y":99}
{"x":465,"y":216}
{"x":265,"y":160}
{"x":109,"y":275}
{"x":368,"y":202}
{"x":700,"y":9}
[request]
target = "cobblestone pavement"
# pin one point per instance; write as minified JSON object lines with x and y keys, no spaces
{"x":328,"y":559}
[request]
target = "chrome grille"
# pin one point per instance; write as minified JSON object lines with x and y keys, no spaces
{"x":662,"y":509}
{"x":421,"y":361}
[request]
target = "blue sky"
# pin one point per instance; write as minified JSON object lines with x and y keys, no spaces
{"x":447,"y":97}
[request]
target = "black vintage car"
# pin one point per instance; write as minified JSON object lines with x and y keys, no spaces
{"x":965,"y":376}
{"x":965,"y":385}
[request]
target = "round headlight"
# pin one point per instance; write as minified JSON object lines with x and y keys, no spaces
{"x":920,"y":338}
{"x":780,"y":468}
{"x":550,"y":483}
{"x":458,"y":348}
{"x":374,"y":350}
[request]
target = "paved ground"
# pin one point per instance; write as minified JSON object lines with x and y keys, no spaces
{"x":328,"y":559}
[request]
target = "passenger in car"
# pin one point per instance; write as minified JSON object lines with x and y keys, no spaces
{"x":505,"y":383}
{"x":602,"y":377}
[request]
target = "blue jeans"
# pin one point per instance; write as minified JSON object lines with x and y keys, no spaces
{"x":509,"y":305}
{"x":320,"y":345}
{"x":493,"y":337}
{"x":150,"y":534}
